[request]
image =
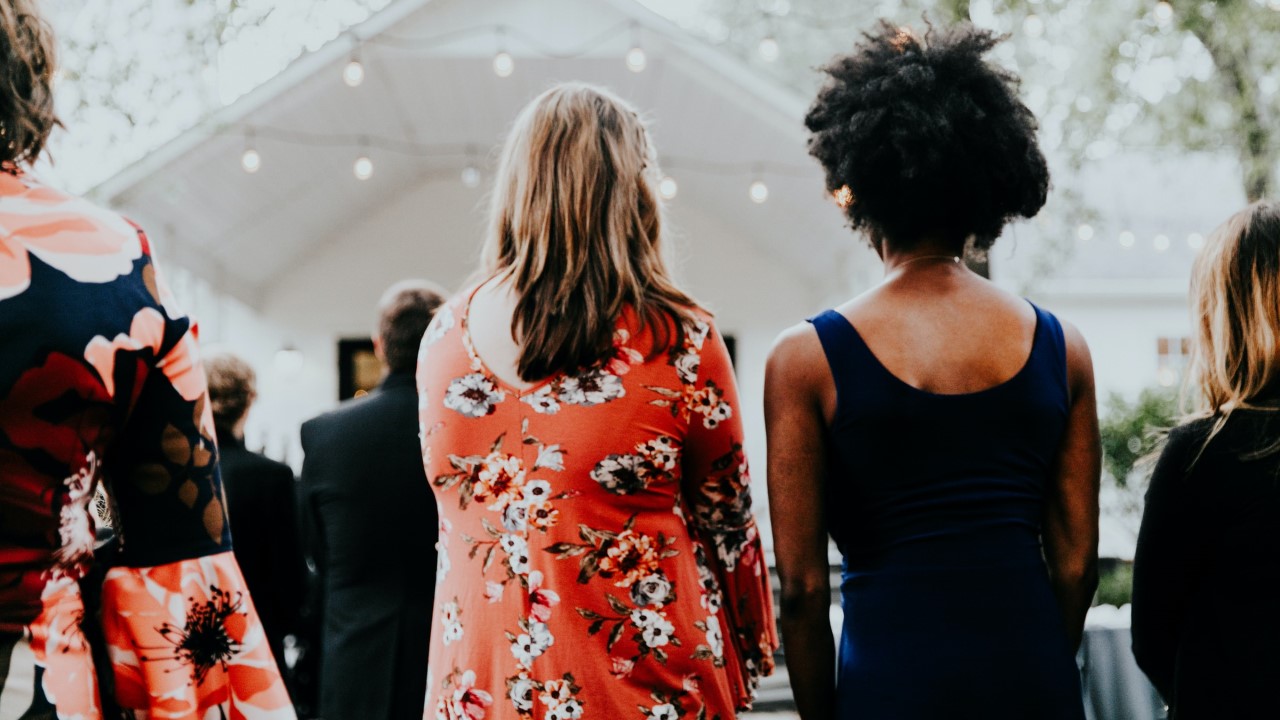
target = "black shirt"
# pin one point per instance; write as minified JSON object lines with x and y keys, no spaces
{"x":1206,"y":617}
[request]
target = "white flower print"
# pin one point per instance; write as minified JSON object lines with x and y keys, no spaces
{"x":652,"y":589}
{"x":665,"y":711}
{"x":555,"y":692}
{"x":515,"y":517}
{"x":441,"y":324}
{"x":662,"y":452}
{"x":536,"y":491}
{"x":474,"y":395}
{"x":493,"y":591}
{"x":687,"y":366}
{"x":569,"y":710}
{"x":695,"y":333}
{"x":442,"y":550}
{"x":521,"y":693}
{"x":655,"y":630}
{"x":550,"y":457}
{"x":529,"y":645}
{"x":517,"y":550}
{"x":450,"y":619}
{"x":75,"y":531}
{"x":714,"y":639}
{"x":542,"y":400}
{"x":593,"y":387}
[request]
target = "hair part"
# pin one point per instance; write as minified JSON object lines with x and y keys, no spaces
{"x":576,"y":229}
{"x":232,"y":389}
{"x":404,"y":312}
{"x":924,"y":139}
{"x":27,"y":114}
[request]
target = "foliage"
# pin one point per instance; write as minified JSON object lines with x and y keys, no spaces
{"x":1132,"y":431}
{"x":1115,"y":583}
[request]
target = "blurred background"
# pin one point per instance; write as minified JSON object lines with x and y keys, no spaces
{"x":292,"y":158}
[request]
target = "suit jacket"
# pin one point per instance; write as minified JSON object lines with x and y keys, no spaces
{"x":373,"y":536}
{"x":262,"y":509}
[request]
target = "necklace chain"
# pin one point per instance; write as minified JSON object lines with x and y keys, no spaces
{"x":952,"y":258}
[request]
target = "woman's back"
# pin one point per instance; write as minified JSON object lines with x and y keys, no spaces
{"x":1208,"y":559}
{"x":936,"y":501}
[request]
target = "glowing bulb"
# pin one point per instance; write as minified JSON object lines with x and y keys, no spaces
{"x":1163,"y":12}
{"x":768,"y":48}
{"x":1195,"y":240}
{"x":758,"y":191}
{"x":636,"y":59}
{"x":471,"y":176}
{"x":353,"y":73}
{"x":1127,"y":239}
{"x":1167,"y":376}
{"x":1160,"y":242}
{"x":363,"y":168}
{"x":503,"y":64}
{"x":667,"y":187}
{"x":1033,"y":26}
{"x":1085,"y":232}
{"x":251,"y":161}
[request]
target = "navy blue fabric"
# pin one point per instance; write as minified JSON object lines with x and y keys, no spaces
{"x":936,"y":501}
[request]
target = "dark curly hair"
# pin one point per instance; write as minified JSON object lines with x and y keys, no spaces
{"x":26,"y":82}
{"x":927,"y":137}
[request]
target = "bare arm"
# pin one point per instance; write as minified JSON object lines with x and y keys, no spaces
{"x":794,"y":379}
{"x":1071,"y":512}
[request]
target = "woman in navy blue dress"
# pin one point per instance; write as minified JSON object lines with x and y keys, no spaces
{"x":941,"y":430}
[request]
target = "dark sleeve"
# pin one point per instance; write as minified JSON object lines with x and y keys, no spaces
{"x":290,"y":566}
{"x":1170,"y":549}
{"x":307,"y":503}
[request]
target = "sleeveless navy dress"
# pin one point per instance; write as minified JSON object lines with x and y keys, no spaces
{"x":936,"y":502}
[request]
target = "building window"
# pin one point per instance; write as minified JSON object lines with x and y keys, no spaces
{"x":1172,"y":354}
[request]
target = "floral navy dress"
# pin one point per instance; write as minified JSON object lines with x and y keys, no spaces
{"x":100,"y":385}
{"x":598,"y":557}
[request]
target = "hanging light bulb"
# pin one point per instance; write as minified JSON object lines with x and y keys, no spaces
{"x":471,"y":176}
{"x":353,"y":73}
{"x":1085,"y":232}
{"x":636,"y":59}
{"x":1195,"y":240}
{"x":768,"y":48}
{"x":503,"y":64}
{"x":363,"y":168}
{"x":1127,"y":239}
{"x":759,"y":192}
{"x":250,"y":160}
{"x":668,"y":187}
{"x":1160,"y":242}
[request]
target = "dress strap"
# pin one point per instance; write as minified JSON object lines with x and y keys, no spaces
{"x":844,"y":349}
{"x":1054,"y":354}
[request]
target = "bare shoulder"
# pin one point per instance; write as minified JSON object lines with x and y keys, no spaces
{"x":795,"y":347}
{"x":1079,"y":359}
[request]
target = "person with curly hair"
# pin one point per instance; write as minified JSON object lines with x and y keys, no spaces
{"x":101,"y":385}
{"x":942,"y":431}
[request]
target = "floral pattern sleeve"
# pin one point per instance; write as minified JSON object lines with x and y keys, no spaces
{"x":717,"y":491}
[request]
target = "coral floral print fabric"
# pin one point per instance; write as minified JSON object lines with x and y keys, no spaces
{"x":100,"y":385}
{"x":598,"y":557}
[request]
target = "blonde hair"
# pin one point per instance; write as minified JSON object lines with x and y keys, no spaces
{"x":576,"y":228}
{"x":1235,"y":302}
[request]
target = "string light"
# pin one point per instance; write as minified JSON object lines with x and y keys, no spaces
{"x":1033,"y":26}
{"x":353,"y":73}
{"x":503,"y":63}
{"x":1195,"y":240}
{"x":251,"y":161}
{"x":363,"y":166}
{"x":1163,"y":12}
{"x":471,"y":176}
{"x":667,"y":187}
{"x":1127,"y":239}
{"x":636,"y":59}
{"x":758,"y":192}
{"x":768,"y":48}
{"x":1160,"y":242}
{"x":1085,"y":232}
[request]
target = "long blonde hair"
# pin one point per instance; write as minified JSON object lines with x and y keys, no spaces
{"x":576,"y":228}
{"x":1235,"y":302}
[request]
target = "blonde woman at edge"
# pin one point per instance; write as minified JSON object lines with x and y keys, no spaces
{"x":1205,"y":623}
{"x":598,"y":556}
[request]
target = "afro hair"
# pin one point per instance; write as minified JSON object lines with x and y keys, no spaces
{"x":928,"y":137}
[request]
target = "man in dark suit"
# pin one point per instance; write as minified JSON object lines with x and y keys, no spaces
{"x":373,"y":531}
{"x":260,"y":506}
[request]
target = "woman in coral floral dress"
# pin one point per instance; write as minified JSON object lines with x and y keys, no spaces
{"x":99,"y":383}
{"x":598,"y":556}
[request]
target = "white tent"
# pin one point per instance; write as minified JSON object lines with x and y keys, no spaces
{"x":297,"y":253}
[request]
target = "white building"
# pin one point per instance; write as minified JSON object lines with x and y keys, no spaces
{"x":282,"y":263}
